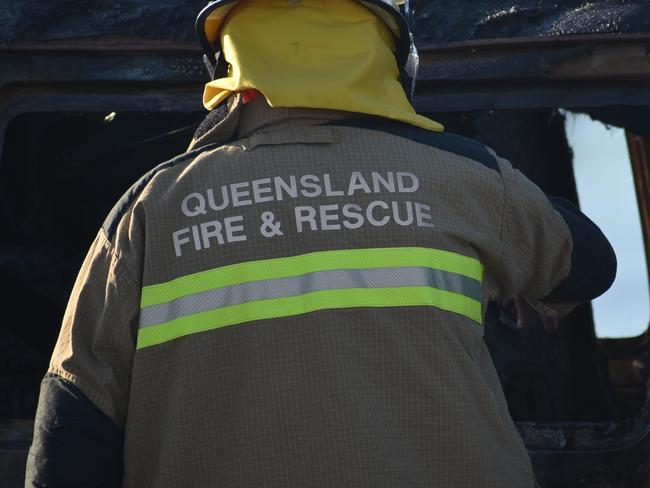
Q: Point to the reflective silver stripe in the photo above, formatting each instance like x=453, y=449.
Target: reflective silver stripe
x=311, y=282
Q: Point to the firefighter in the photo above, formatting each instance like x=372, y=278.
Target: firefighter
x=298, y=299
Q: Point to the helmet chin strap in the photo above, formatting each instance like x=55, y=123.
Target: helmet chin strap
x=218, y=68
x=210, y=67
x=411, y=69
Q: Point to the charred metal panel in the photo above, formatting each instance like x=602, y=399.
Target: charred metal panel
x=438, y=21
x=30, y=20
x=583, y=71
x=571, y=71
x=443, y=21
x=65, y=66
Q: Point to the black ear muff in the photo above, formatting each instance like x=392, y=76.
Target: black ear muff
x=220, y=67
x=407, y=84
x=214, y=62
x=212, y=68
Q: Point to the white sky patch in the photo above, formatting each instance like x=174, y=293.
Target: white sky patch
x=607, y=195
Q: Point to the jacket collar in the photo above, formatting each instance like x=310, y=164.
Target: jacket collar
x=257, y=116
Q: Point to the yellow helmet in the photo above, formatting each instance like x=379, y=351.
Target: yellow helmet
x=395, y=14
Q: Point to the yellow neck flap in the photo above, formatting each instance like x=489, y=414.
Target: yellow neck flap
x=333, y=54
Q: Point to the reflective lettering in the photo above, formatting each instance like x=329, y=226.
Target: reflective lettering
x=409, y=213
x=291, y=188
x=305, y=214
x=326, y=218
x=224, y=199
x=195, y=235
x=358, y=182
x=240, y=194
x=378, y=181
x=179, y=240
x=310, y=182
x=423, y=215
x=232, y=229
x=371, y=218
x=353, y=216
x=259, y=191
x=193, y=205
x=328, y=187
x=210, y=230
x=407, y=183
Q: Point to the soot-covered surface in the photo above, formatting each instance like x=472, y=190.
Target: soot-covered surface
x=436, y=21
x=462, y=20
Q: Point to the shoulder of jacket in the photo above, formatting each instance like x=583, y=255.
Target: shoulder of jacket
x=123, y=204
x=445, y=141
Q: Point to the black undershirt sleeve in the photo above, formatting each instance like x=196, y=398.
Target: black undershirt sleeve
x=593, y=262
x=75, y=444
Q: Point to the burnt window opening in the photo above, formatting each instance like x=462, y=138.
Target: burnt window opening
x=607, y=193
x=61, y=174
x=571, y=375
x=63, y=171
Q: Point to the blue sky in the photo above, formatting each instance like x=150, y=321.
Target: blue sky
x=606, y=193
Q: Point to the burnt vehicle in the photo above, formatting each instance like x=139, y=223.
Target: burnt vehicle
x=92, y=96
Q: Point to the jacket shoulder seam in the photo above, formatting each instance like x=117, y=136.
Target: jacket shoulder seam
x=445, y=141
x=115, y=216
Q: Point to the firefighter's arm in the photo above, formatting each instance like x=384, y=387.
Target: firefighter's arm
x=75, y=443
x=593, y=261
x=552, y=255
x=82, y=405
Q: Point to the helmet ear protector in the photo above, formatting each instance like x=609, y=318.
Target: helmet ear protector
x=395, y=14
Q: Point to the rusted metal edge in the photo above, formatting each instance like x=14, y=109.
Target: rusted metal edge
x=587, y=436
x=600, y=57
x=130, y=44
x=627, y=347
x=542, y=60
x=510, y=43
x=41, y=99
x=639, y=148
x=474, y=75
x=103, y=45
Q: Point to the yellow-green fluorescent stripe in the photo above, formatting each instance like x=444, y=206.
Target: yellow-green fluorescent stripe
x=309, y=263
x=310, y=302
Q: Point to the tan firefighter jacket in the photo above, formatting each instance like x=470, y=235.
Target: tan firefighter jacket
x=298, y=301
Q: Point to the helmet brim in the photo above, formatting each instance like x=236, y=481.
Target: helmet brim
x=391, y=16
x=209, y=23
x=211, y=18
